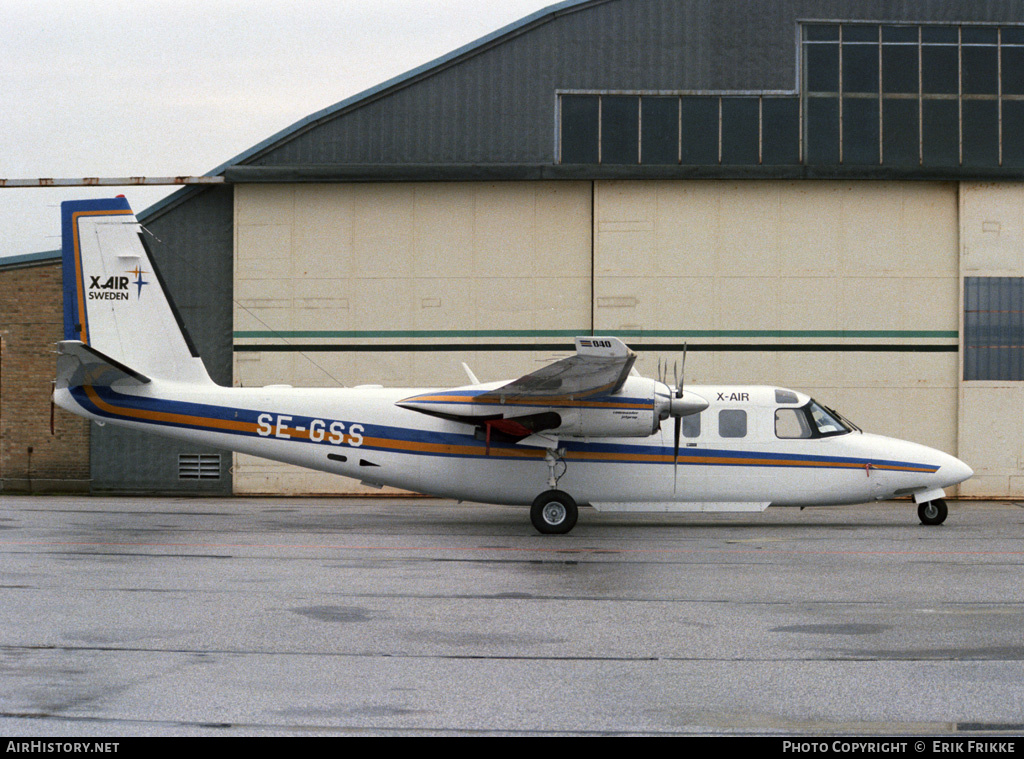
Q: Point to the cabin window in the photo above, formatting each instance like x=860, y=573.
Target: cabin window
x=792, y=423
x=691, y=425
x=732, y=423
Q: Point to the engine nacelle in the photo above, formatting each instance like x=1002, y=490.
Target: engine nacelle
x=632, y=412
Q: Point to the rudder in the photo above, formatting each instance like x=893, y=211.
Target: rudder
x=114, y=299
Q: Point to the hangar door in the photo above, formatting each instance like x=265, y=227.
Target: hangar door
x=846, y=290
x=397, y=284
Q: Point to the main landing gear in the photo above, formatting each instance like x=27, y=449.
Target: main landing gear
x=553, y=512
x=932, y=512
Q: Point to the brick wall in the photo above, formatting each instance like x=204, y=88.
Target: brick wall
x=31, y=321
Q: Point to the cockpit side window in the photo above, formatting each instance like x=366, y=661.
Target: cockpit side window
x=792, y=423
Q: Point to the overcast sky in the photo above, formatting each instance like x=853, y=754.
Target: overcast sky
x=178, y=87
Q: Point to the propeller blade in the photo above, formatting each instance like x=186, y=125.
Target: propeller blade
x=681, y=371
x=682, y=374
x=675, y=458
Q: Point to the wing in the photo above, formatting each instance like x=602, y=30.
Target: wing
x=600, y=367
x=516, y=410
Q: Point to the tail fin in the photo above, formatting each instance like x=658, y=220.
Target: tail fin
x=114, y=300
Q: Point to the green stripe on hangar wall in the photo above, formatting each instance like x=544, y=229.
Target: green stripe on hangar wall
x=622, y=333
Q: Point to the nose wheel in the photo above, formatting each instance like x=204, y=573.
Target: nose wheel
x=932, y=512
x=553, y=512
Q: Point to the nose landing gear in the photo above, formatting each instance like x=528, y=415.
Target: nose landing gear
x=932, y=512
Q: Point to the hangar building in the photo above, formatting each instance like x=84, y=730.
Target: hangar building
x=820, y=194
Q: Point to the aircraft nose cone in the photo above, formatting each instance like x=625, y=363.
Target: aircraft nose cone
x=955, y=471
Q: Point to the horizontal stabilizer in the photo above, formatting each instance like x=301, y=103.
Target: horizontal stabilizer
x=80, y=364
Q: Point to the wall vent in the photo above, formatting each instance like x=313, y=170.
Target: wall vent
x=198, y=466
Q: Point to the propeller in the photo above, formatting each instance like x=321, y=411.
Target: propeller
x=678, y=419
x=680, y=404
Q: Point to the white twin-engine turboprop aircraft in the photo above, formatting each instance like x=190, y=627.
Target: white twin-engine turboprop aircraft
x=583, y=430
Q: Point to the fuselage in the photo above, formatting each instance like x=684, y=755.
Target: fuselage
x=731, y=452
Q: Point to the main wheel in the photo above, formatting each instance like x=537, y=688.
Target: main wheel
x=933, y=512
x=553, y=512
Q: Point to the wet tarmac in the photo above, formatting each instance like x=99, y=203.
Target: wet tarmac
x=311, y=616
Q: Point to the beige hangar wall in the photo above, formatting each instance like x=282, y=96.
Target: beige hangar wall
x=709, y=263
x=991, y=412
x=820, y=263
x=350, y=265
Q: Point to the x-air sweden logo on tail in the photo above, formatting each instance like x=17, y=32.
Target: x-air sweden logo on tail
x=116, y=288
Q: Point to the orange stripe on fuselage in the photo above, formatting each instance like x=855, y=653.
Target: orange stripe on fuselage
x=163, y=416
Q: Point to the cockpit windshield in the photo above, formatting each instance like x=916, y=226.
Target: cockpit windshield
x=810, y=420
x=827, y=421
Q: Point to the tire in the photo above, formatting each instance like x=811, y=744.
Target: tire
x=932, y=512
x=553, y=513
